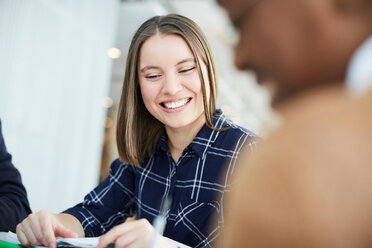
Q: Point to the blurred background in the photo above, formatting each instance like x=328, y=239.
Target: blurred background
x=61, y=70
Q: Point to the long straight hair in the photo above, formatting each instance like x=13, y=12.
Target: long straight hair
x=137, y=131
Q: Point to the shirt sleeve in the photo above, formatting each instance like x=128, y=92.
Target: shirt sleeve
x=14, y=206
x=110, y=203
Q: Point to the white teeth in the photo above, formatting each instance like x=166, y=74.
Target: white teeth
x=173, y=105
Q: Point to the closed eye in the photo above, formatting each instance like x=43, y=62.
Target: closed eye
x=152, y=76
x=187, y=69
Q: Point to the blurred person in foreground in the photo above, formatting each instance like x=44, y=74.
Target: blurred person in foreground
x=310, y=182
x=14, y=205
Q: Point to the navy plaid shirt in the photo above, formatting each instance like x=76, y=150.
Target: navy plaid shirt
x=196, y=185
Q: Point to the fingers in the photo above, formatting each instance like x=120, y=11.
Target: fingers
x=125, y=240
x=62, y=232
x=48, y=236
x=139, y=236
x=139, y=231
x=112, y=235
x=37, y=229
x=138, y=241
x=21, y=235
x=25, y=231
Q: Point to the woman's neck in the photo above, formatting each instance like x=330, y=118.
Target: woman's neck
x=180, y=138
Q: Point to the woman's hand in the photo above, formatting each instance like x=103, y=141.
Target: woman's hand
x=42, y=228
x=133, y=234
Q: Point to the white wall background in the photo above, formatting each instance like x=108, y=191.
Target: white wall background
x=54, y=73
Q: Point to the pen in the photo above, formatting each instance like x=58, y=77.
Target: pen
x=160, y=220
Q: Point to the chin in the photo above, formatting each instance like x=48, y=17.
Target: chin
x=176, y=125
x=279, y=98
x=275, y=103
x=285, y=96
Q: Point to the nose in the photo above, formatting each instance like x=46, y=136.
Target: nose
x=172, y=84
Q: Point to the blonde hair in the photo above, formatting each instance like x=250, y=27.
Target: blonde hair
x=137, y=131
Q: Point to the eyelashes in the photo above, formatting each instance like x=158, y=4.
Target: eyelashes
x=155, y=76
x=152, y=76
x=187, y=69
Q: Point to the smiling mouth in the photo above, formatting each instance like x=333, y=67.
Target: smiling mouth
x=177, y=104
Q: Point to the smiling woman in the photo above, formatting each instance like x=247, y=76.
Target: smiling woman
x=190, y=50
x=171, y=90
x=173, y=143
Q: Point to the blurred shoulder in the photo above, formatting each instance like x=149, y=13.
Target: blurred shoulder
x=305, y=173
x=323, y=127
x=325, y=119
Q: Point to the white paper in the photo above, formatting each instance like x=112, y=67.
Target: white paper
x=178, y=244
x=12, y=238
x=79, y=242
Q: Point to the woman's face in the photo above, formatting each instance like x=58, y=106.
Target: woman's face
x=169, y=81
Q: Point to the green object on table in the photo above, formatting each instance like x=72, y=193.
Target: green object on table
x=4, y=244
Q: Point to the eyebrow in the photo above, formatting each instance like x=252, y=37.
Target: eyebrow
x=148, y=67
x=186, y=60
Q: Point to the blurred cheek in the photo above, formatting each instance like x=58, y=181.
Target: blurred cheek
x=244, y=49
x=239, y=57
